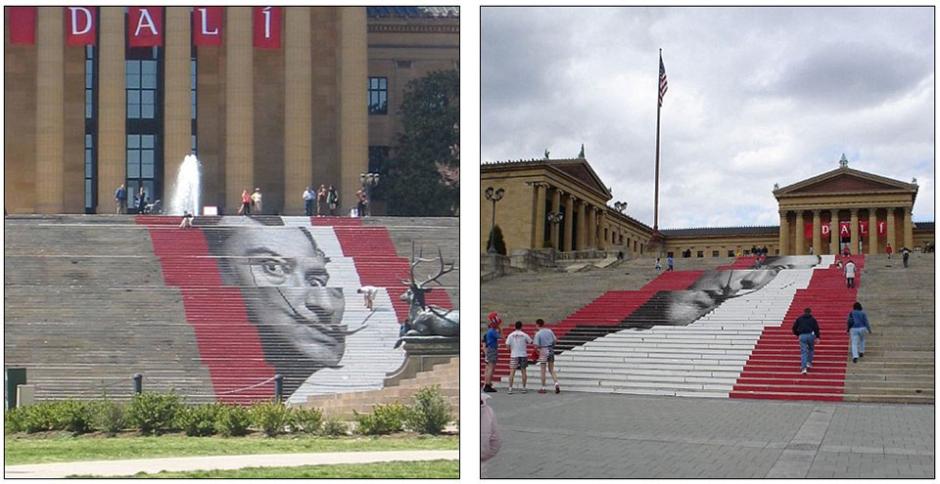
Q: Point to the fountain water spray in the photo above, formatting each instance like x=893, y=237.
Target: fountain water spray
x=187, y=188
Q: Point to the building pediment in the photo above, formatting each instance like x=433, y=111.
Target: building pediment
x=844, y=181
x=577, y=169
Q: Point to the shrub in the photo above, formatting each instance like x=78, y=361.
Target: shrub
x=333, y=427
x=497, y=234
x=74, y=416
x=109, y=416
x=233, y=420
x=41, y=417
x=307, y=420
x=430, y=412
x=199, y=420
x=384, y=419
x=154, y=412
x=270, y=417
x=14, y=420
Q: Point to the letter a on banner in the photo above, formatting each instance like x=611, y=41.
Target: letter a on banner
x=267, y=27
x=145, y=26
x=22, y=24
x=80, y=25
x=207, y=25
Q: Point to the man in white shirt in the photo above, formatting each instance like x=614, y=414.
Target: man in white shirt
x=308, y=202
x=545, y=341
x=850, y=274
x=517, y=341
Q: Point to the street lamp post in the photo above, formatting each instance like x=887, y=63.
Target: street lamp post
x=368, y=181
x=493, y=196
x=620, y=206
x=555, y=218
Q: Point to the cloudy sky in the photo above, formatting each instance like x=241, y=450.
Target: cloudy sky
x=756, y=96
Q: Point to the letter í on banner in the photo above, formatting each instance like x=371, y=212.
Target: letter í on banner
x=144, y=26
x=207, y=26
x=80, y=25
x=267, y=27
x=882, y=229
x=22, y=24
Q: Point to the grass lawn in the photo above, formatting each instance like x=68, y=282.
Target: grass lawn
x=62, y=447
x=448, y=469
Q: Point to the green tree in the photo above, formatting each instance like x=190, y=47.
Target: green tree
x=421, y=178
x=496, y=233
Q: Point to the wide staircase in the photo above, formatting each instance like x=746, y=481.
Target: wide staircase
x=88, y=304
x=898, y=365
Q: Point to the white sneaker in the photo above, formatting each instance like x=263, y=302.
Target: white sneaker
x=809, y=365
x=510, y=392
x=803, y=372
x=523, y=390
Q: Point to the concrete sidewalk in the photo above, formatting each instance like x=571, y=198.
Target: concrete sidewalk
x=150, y=466
x=633, y=436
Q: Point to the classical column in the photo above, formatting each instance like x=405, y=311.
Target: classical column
x=800, y=236
x=298, y=151
x=177, y=117
x=539, y=234
x=239, y=107
x=784, y=232
x=582, y=226
x=353, y=112
x=892, y=238
x=569, y=222
x=112, y=135
x=601, y=220
x=50, y=115
x=817, y=236
x=908, y=229
x=853, y=230
x=872, y=231
x=834, y=231
x=591, y=227
x=555, y=229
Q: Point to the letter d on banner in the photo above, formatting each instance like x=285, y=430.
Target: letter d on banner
x=267, y=27
x=80, y=25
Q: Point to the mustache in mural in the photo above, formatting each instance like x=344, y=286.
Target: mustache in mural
x=334, y=331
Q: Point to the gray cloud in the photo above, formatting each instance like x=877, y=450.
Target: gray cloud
x=757, y=96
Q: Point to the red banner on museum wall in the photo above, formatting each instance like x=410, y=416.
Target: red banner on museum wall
x=22, y=24
x=267, y=27
x=80, y=25
x=207, y=26
x=826, y=231
x=807, y=230
x=863, y=228
x=145, y=26
x=844, y=230
x=882, y=229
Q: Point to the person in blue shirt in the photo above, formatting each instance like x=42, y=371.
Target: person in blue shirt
x=807, y=329
x=858, y=325
x=491, y=347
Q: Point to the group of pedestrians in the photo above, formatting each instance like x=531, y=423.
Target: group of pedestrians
x=518, y=342
x=251, y=203
x=325, y=198
x=806, y=329
x=121, y=197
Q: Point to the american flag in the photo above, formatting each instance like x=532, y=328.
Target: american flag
x=663, y=85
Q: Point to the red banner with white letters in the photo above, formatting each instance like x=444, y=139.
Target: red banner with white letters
x=267, y=27
x=144, y=26
x=882, y=229
x=863, y=228
x=80, y=25
x=845, y=231
x=21, y=24
x=826, y=231
x=207, y=26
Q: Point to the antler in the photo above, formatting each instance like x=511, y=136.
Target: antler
x=411, y=269
x=443, y=270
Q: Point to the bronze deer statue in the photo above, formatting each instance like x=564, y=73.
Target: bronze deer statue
x=424, y=319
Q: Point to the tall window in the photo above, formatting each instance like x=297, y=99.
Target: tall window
x=91, y=130
x=378, y=95
x=144, y=151
x=192, y=95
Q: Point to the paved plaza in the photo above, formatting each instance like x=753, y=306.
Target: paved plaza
x=576, y=434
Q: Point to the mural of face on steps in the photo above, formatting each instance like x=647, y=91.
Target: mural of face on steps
x=286, y=287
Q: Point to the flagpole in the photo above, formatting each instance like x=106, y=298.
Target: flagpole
x=658, y=108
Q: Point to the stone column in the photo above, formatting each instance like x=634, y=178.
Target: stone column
x=784, y=232
x=298, y=151
x=112, y=133
x=569, y=222
x=817, y=236
x=239, y=107
x=50, y=113
x=582, y=230
x=853, y=230
x=908, y=228
x=353, y=110
x=539, y=235
x=892, y=237
x=800, y=236
x=872, y=231
x=601, y=220
x=834, y=231
x=555, y=229
x=177, y=117
x=591, y=227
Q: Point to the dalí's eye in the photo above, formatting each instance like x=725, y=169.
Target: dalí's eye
x=275, y=267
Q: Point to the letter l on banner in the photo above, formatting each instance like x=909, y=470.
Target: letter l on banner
x=207, y=26
x=267, y=27
x=80, y=25
x=144, y=26
x=22, y=24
